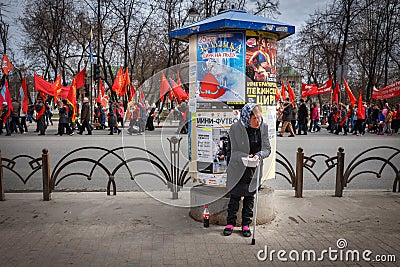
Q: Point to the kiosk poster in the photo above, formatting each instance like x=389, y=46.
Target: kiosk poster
x=221, y=66
x=212, y=130
x=261, y=50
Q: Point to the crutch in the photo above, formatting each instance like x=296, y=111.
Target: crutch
x=253, y=241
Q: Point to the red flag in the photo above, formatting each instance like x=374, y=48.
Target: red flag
x=56, y=88
x=277, y=95
x=119, y=82
x=101, y=92
x=23, y=91
x=171, y=95
x=308, y=89
x=64, y=91
x=101, y=87
x=41, y=85
x=5, y=93
x=180, y=84
x=98, y=98
x=6, y=65
x=360, y=107
x=132, y=92
x=352, y=99
x=335, y=96
x=6, y=97
x=72, y=98
x=292, y=95
x=80, y=78
x=283, y=93
x=164, y=87
x=178, y=91
x=127, y=81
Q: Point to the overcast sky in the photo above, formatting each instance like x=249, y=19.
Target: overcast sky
x=296, y=12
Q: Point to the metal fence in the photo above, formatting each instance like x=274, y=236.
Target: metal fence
x=175, y=177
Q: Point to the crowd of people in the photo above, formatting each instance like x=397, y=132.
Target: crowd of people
x=299, y=118
x=339, y=118
x=139, y=117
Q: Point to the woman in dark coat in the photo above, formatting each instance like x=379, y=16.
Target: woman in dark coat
x=248, y=137
x=150, y=119
x=112, y=119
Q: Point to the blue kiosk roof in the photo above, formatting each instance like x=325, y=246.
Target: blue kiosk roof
x=233, y=19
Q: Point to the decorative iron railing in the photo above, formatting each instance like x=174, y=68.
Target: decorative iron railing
x=175, y=177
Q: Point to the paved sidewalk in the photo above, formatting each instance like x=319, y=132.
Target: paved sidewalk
x=132, y=229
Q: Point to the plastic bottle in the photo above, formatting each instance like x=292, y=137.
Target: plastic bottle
x=206, y=216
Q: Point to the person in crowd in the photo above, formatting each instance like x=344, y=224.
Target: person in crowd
x=63, y=121
x=325, y=113
x=360, y=122
x=40, y=117
x=279, y=114
x=334, y=117
x=374, y=119
x=31, y=111
x=380, y=121
x=342, y=120
x=5, y=118
x=150, y=118
x=143, y=117
x=22, y=116
x=354, y=126
x=294, y=117
x=121, y=114
x=85, y=117
x=315, y=116
x=396, y=119
x=248, y=138
x=302, y=116
x=112, y=119
x=310, y=127
x=134, y=118
x=286, y=118
x=48, y=114
x=183, y=122
x=16, y=107
x=388, y=122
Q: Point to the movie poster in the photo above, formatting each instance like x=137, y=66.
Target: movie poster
x=261, y=51
x=221, y=66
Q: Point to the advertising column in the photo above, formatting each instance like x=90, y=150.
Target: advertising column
x=232, y=68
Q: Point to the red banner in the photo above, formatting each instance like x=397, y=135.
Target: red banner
x=389, y=91
x=311, y=89
x=325, y=88
x=308, y=89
